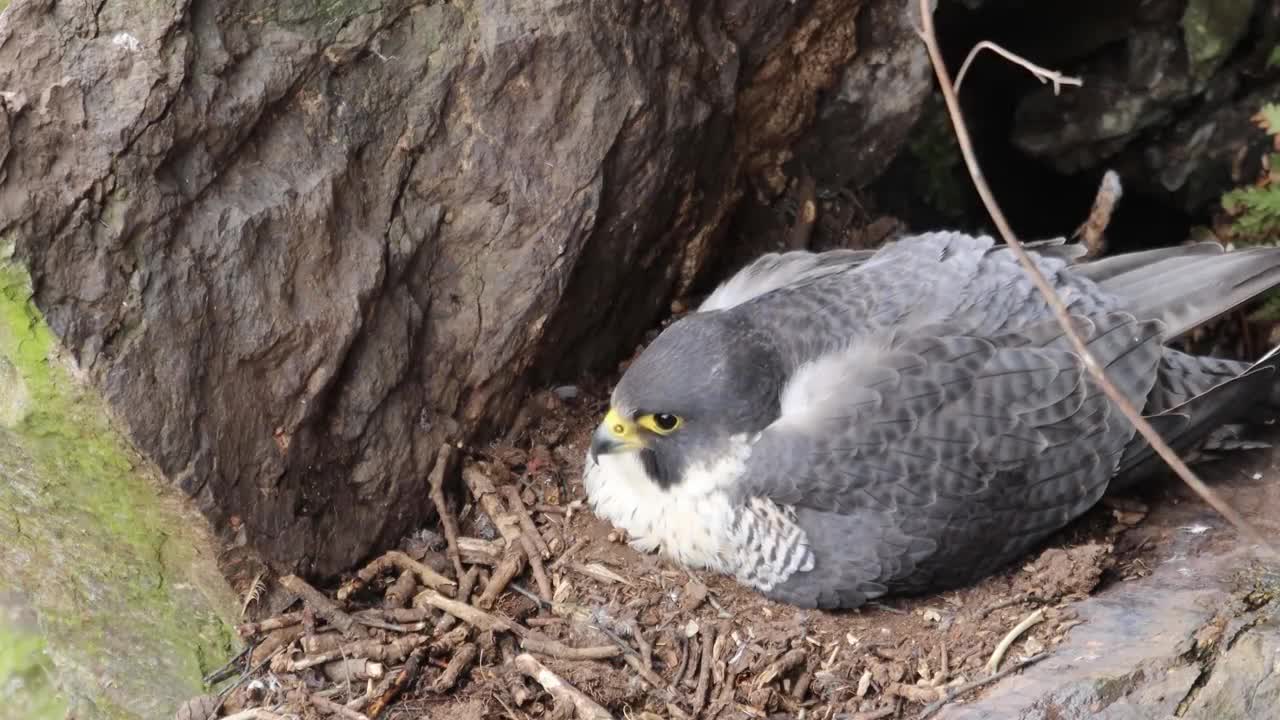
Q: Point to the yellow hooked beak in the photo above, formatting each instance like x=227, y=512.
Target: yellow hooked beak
x=616, y=434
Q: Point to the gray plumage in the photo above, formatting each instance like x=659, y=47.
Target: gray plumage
x=853, y=424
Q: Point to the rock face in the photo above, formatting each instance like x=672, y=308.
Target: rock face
x=111, y=602
x=300, y=245
x=1168, y=104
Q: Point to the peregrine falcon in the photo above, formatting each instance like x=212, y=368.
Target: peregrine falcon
x=830, y=428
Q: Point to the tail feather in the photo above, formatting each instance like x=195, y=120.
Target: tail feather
x=1194, y=425
x=1190, y=289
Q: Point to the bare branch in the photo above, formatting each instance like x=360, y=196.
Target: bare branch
x=1055, y=303
x=1044, y=75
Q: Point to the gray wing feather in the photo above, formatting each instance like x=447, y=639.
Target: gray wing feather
x=948, y=444
x=776, y=270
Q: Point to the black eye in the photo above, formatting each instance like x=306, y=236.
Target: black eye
x=666, y=422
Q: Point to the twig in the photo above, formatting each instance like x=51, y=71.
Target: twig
x=255, y=714
x=447, y=521
x=557, y=649
x=974, y=684
x=1092, y=232
x=466, y=586
x=994, y=663
x=392, y=627
x=357, y=668
x=449, y=641
x=391, y=652
x=704, y=670
x=396, y=560
x=586, y=708
x=323, y=606
x=646, y=649
x=226, y=692
x=400, y=592
x=781, y=666
x=280, y=621
x=915, y=693
x=332, y=708
x=474, y=617
x=1042, y=74
x=516, y=503
x=274, y=642
x=569, y=553
x=1059, y=309
x=535, y=565
x=878, y=714
x=475, y=551
x=458, y=664
x=396, y=615
x=647, y=674
x=512, y=565
x=487, y=496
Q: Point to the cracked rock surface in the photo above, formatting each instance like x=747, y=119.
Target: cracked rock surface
x=299, y=245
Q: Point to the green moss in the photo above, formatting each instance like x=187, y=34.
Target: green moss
x=26, y=675
x=122, y=575
x=1211, y=29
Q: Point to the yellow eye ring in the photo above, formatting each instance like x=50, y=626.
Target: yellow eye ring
x=661, y=423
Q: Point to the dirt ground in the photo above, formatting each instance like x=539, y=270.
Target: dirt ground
x=642, y=638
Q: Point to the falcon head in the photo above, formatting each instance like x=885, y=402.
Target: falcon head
x=702, y=381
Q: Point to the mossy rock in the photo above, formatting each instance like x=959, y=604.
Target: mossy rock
x=116, y=576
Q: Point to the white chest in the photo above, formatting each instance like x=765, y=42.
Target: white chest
x=690, y=522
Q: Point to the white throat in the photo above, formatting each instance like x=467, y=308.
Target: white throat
x=689, y=522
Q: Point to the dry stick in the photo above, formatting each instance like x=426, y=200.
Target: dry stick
x=704, y=670
x=516, y=503
x=325, y=704
x=275, y=623
x=323, y=606
x=488, y=498
x=478, y=619
x=1042, y=74
x=1055, y=303
x=402, y=680
x=557, y=649
x=400, y=592
x=974, y=684
x=276, y=640
x=255, y=714
x=391, y=652
x=646, y=649
x=450, y=640
x=478, y=551
x=535, y=564
x=512, y=565
x=447, y=521
x=397, y=560
x=466, y=586
x=994, y=663
x=226, y=692
x=396, y=615
x=562, y=691
x=788, y=662
x=564, y=556
x=1092, y=231
x=458, y=664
